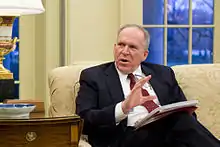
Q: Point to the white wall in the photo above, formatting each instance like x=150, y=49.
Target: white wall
x=91, y=32
x=92, y=29
x=39, y=51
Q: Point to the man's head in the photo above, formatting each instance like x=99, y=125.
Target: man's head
x=131, y=48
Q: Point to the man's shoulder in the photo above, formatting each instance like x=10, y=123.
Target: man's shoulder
x=160, y=71
x=99, y=67
x=154, y=66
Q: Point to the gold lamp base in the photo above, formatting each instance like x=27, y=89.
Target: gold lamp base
x=7, y=44
x=4, y=73
x=6, y=76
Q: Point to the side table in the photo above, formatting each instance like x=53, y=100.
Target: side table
x=41, y=132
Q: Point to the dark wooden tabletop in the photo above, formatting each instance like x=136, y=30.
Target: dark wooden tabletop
x=43, y=119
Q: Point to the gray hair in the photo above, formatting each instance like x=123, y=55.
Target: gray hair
x=146, y=33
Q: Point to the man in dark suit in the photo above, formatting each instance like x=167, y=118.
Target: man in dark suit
x=109, y=103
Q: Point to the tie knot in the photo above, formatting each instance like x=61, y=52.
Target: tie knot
x=131, y=76
x=132, y=80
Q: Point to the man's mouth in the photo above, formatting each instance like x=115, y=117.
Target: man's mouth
x=124, y=60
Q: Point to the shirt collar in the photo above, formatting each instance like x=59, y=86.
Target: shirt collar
x=138, y=71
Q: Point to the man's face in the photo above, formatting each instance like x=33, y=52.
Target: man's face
x=129, y=51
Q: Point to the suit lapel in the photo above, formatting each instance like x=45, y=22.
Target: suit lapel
x=114, y=84
x=115, y=88
x=157, y=85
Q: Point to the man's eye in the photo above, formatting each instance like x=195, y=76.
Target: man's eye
x=121, y=44
x=132, y=47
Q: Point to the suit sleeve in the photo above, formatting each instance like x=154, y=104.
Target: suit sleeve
x=176, y=90
x=87, y=105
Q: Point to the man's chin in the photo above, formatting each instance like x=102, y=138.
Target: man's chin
x=124, y=70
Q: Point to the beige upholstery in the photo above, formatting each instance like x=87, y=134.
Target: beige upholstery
x=202, y=82
x=192, y=78
x=63, y=85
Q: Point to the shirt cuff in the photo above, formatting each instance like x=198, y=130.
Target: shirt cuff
x=119, y=114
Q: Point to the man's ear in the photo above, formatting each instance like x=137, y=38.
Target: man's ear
x=114, y=48
x=146, y=54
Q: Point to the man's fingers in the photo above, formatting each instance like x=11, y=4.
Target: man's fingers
x=145, y=79
x=142, y=81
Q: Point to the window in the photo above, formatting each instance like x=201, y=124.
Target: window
x=11, y=61
x=181, y=31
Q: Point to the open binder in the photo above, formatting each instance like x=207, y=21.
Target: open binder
x=162, y=111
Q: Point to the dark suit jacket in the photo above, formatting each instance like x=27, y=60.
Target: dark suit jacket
x=100, y=91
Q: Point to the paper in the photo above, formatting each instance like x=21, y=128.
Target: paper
x=165, y=110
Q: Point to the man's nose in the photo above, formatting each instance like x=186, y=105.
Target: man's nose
x=126, y=49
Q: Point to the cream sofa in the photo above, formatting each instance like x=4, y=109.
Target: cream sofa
x=200, y=82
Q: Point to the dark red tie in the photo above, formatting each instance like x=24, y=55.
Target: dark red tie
x=149, y=105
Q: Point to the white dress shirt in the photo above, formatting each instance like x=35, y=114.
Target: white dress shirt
x=135, y=113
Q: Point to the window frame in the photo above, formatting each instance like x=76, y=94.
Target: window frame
x=190, y=26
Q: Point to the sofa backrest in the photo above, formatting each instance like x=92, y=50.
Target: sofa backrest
x=63, y=86
x=202, y=82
